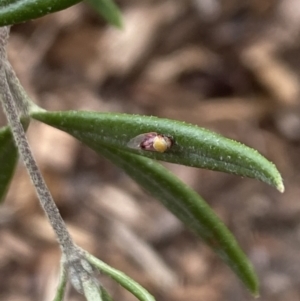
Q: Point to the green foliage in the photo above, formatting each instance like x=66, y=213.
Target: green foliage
x=108, y=10
x=61, y=288
x=17, y=11
x=105, y=295
x=121, y=278
x=185, y=204
x=8, y=159
x=111, y=135
x=193, y=146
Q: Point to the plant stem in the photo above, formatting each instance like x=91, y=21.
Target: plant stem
x=7, y=97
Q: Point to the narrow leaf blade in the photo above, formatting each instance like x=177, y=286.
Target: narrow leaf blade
x=8, y=159
x=105, y=294
x=17, y=11
x=125, y=281
x=188, y=206
x=193, y=146
x=154, y=178
x=62, y=283
x=108, y=10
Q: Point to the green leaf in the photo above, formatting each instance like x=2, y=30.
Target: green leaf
x=8, y=159
x=188, y=206
x=125, y=281
x=61, y=288
x=109, y=134
x=105, y=295
x=108, y=10
x=16, y=11
x=193, y=146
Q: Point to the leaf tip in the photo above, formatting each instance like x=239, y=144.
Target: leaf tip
x=254, y=290
x=277, y=181
x=109, y=11
x=279, y=184
x=256, y=295
x=280, y=187
x=119, y=22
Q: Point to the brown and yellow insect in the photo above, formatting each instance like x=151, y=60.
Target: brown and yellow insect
x=152, y=142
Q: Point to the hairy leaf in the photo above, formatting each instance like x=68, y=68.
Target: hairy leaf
x=192, y=145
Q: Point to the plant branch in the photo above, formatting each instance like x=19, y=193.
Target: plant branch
x=8, y=102
x=14, y=97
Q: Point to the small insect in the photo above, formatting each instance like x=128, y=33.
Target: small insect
x=152, y=142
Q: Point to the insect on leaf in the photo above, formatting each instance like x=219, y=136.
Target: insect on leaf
x=191, y=145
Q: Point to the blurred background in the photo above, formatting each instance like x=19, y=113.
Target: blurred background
x=230, y=66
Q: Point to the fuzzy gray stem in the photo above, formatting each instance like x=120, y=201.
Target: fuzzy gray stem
x=10, y=109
